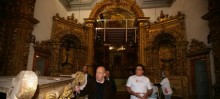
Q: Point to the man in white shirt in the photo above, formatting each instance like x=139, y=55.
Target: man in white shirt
x=87, y=77
x=138, y=85
x=165, y=85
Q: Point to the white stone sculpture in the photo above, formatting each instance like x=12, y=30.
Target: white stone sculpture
x=24, y=86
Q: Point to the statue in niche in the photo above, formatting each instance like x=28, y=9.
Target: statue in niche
x=67, y=60
x=67, y=55
x=166, y=56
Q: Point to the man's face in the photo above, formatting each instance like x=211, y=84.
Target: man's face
x=85, y=69
x=139, y=71
x=100, y=73
x=107, y=74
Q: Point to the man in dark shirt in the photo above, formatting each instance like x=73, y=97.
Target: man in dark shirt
x=109, y=78
x=87, y=77
x=97, y=88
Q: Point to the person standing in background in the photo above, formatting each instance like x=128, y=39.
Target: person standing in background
x=87, y=77
x=165, y=85
x=111, y=80
x=138, y=85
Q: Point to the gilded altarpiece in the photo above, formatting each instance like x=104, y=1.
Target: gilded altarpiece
x=68, y=45
x=166, y=48
x=17, y=23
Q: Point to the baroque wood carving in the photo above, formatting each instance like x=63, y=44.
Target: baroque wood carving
x=17, y=24
x=68, y=42
x=116, y=9
x=199, y=52
x=107, y=5
x=165, y=50
x=214, y=39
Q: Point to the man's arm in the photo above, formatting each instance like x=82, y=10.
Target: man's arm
x=85, y=90
x=158, y=85
x=133, y=93
x=149, y=92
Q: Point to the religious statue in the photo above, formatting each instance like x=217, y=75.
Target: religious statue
x=166, y=56
x=67, y=55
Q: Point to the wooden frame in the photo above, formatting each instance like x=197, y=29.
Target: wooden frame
x=198, y=51
x=42, y=58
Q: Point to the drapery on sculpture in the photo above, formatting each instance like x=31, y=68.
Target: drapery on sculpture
x=24, y=86
x=79, y=80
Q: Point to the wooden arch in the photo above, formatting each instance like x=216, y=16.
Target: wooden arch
x=130, y=5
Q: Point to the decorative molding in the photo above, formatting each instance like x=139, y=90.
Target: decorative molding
x=43, y=46
x=197, y=47
x=128, y=5
x=72, y=5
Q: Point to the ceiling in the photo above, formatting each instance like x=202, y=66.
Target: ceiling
x=72, y=5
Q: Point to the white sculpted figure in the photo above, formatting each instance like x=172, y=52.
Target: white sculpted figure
x=24, y=86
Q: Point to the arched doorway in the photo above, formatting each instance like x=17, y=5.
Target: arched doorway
x=116, y=33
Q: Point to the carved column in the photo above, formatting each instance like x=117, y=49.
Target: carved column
x=20, y=21
x=213, y=17
x=181, y=48
x=55, y=62
x=142, y=39
x=90, y=42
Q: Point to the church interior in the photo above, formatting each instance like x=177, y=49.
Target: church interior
x=59, y=37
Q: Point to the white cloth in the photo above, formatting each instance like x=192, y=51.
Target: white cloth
x=155, y=89
x=138, y=84
x=154, y=93
x=165, y=85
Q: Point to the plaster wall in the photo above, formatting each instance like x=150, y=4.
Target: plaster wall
x=44, y=11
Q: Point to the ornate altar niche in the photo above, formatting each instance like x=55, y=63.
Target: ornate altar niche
x=199, y=70
x=42, y=54
x=68, y=45
x=166, y=47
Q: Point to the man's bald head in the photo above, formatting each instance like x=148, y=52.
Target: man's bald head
x=100, y=73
